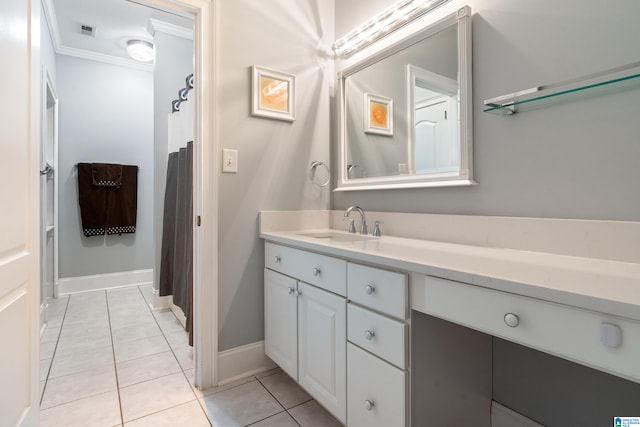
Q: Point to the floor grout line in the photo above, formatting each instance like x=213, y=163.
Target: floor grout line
x=46, y=381
x=197, y=398
x=113, y=353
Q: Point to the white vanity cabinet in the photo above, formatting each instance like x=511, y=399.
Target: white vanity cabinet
x=377, y=349
x=305, y=321
x=605, y=342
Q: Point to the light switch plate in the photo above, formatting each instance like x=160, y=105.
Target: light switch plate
x=229, y=160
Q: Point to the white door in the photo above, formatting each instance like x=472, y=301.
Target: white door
x=435, y=142
x=19, y=212
x=322, y=353
x=280, y=321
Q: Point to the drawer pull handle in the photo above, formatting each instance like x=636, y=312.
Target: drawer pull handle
x=368, y=334
x=291, y=290
x=278, y=259
x=316, y=271
x=610, y=335
x=369, y=289
x=512, y=320
x=368, y=404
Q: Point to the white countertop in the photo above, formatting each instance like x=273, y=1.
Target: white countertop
x=610, y=287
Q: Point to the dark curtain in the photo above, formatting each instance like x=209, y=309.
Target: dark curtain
x=176, y=262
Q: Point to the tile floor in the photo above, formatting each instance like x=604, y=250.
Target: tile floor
x=108, y=360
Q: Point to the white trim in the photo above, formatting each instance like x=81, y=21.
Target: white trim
x=164, y=303
x=71, y=285
x=206, y=149
x=54, y=32
x=177, y=311
x=158, y=302
x=501, y=416
x=241, y=362
x=157, y=26
x=43, y=318
x=101, y=57
x=52, y=23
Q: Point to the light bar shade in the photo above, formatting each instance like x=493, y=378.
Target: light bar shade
x=140, y=50
x=395, y=16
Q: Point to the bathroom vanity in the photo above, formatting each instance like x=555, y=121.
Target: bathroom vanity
x=396, y=331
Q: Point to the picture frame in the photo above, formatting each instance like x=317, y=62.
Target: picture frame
x=273, y=94
x=378, y=114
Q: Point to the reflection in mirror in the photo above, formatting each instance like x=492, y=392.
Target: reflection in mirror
x=433, y=117
x=427, y=139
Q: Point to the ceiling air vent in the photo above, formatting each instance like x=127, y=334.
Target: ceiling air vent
x=87, y=30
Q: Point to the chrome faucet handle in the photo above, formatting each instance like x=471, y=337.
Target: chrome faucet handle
x=352, y=226
x=376, y=229
x=363, y=227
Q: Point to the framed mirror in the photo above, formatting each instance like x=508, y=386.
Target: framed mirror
x=405, y=113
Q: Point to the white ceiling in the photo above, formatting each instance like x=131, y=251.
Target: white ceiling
x=114, y=21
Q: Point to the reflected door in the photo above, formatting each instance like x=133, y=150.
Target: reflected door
x=434, y=150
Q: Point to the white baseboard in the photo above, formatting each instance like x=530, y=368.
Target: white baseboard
x=177, y=311
x=43, y=318
x=243, y=361
x=501, y=416
x=158, y=302
x=72, y=285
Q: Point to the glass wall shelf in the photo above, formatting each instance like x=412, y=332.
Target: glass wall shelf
x=620, y=79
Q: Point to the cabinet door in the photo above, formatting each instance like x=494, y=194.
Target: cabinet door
x=280, y=321
x=377, y=391
x=322, y=318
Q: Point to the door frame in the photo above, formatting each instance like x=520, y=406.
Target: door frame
x=48, y=90
x=205, y=309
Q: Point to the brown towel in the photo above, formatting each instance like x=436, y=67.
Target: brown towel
x=108, y=197
x=106, y=174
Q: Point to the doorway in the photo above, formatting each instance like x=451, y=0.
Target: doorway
x=48, y=195
x=205, y=183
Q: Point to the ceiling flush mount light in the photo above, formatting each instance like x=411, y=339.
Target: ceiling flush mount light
x=395, y=16
x=140, y=50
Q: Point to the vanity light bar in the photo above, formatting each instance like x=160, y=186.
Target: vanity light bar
x=396, y=16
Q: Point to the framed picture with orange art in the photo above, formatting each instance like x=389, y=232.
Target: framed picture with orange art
x=273, y=94
x=378, y=114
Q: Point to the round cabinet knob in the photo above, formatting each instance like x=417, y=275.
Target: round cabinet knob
x=511, y=320
x=316, y=271
x=278, y=259
x=368, y=404
x=291, y=290
x=368, y=334
x=297, y=293
x=369, y=289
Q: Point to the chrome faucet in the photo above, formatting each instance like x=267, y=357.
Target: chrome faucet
x=363, y=221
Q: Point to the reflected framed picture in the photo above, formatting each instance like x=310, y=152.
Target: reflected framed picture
x=378, y=114
x=273, y=94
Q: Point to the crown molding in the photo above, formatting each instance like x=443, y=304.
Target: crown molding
x=54, y=31
x=109, y=59
x=52, y=23
x=156, y=26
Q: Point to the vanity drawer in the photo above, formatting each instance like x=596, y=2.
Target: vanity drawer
x=564, y=331
x=376, y=391
x=382, y=336
x=381, y=290
x=319, y=270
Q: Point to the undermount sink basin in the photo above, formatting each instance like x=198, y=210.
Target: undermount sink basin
x=337, y=236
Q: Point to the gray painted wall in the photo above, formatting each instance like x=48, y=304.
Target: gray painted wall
x=274, y=156
x=575, y=160
x=106, y=115
x=174, y=61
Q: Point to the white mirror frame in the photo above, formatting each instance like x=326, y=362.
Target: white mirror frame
x=464, y=176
